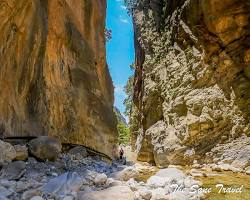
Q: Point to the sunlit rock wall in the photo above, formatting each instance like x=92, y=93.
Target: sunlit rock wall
x=192, y=79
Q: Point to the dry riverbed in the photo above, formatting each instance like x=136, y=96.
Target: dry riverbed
x=78, y=174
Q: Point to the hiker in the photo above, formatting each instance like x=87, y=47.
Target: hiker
x=121, y=153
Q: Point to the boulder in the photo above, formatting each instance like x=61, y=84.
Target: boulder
x=7, y=152
x=45, y=148
x=100, y=179
x=21, y=152
x=133, y=185
x=145, y=193
x=171, y=173
x=37, y=198
x=159, y=194
x=165, y=176
x=243, y=159
x=117, y=193
x=3, y=197
x=4, y=192
x=14, y=170
x=157, y=181
x=79, y=150
x=127, y=173
x=68, y=198
x=178, y=195
x=62, y=185
x=30, y=194
x=112, y=182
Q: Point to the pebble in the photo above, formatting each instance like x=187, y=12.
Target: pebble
x=68, y=198
x=37, y=198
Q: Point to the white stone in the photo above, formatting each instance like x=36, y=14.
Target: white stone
x=54, y=174
x=145, y=193
x=68, y=198
x=189, y=182
x=37, y=198
x=178, y=195
x=127, y=173
x=159, y=194
x=171, y=173
x=132, y=184
x=156, y=181
x=63, y=184
x=111, y=182
x=116, y=193
x=100, y=179
x=137, y=196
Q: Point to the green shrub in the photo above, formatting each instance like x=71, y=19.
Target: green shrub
x=124, y=134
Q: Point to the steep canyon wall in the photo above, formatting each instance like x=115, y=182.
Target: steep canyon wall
x=192, y=78
x=53, y=74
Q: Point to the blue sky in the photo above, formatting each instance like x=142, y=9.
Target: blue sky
x=120, y=49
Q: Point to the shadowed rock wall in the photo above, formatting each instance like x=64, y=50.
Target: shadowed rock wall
x=53, y=74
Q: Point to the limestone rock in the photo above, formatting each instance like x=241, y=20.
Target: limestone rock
x=7, y=152
x=243, y=159
x=248, y=172
x=145, y=193
x=127, y=173
x=234, y=154
x=100, y=179
x=112, y=182
x=79, y=150
x=4, y=192
x=55, y=80
x=14, y=170
x=159, y=194
x=63, y=184
x=68, y=198
x=117, y=192
x=30, y=194
x=192, y=87
x=156, y=181
x=179, y=195
x=21, y=152
x=45, y=148
x=37, y=198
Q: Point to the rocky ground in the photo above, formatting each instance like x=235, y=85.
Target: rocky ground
x=42, y=169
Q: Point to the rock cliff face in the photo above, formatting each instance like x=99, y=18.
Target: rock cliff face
x=192, y=79
x=53, y=74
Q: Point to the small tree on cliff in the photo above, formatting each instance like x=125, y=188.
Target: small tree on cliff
x=130, y=4
x=108, y=34
x=129, y=90
x=122, y=128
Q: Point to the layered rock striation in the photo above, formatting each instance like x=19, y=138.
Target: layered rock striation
x=53, y=73
x=192, y=88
